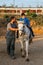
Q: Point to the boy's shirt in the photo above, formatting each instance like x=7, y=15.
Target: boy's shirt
x=26, y=21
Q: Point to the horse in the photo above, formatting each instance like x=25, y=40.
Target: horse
x=24, y=34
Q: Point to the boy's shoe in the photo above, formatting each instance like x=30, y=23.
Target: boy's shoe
x=30, y=41
x=33, y=35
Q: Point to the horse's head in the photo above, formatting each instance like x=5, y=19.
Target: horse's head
x=20, y=26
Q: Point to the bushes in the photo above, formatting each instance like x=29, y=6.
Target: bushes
x=2, y=23
x=2, y=31
x=32, y=14
x=37, y=18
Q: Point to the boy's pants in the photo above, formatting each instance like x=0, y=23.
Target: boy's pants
x=31, y=31
x=10, y=46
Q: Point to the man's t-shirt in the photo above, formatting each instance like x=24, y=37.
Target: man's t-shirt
x=10, y=34
x=8, y=26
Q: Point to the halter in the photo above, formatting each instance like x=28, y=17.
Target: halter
x=21, y=26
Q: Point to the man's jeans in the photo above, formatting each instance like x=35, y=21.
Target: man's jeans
x=10, y=46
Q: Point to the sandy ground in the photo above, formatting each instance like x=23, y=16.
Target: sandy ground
x=35, y=54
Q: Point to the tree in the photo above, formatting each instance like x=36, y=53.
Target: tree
x=28, y=12
x=32, y=14
x=12, y=5
x=4, y=5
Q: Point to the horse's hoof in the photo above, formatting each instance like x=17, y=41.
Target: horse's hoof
x=23, y=56
x=27, y=59
x=28, y=53
x=21, y=50
x=30, y=41
x=23, y=53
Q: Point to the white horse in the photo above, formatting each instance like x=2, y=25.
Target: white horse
x=24, y=34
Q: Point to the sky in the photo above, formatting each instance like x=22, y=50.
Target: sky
x=22, y=3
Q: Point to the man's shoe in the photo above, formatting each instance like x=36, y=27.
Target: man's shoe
x=8, y=53
x=13, y=57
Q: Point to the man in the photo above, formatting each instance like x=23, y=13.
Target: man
x=10, y=37
x=27, y=22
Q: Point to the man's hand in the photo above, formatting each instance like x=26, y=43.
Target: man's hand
x=13, y=29
x=16, y=29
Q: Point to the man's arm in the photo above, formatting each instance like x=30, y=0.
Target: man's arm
x=10, y=28
x=13, y=29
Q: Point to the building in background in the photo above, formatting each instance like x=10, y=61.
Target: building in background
x=19, y=10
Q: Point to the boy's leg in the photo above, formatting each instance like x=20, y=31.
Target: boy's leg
x=31, y=31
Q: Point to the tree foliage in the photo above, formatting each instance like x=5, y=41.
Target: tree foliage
x=37, y=18
x=32, y=14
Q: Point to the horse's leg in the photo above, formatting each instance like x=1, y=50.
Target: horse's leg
x=27, y=46
x=22, y=47
x=21, y=42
